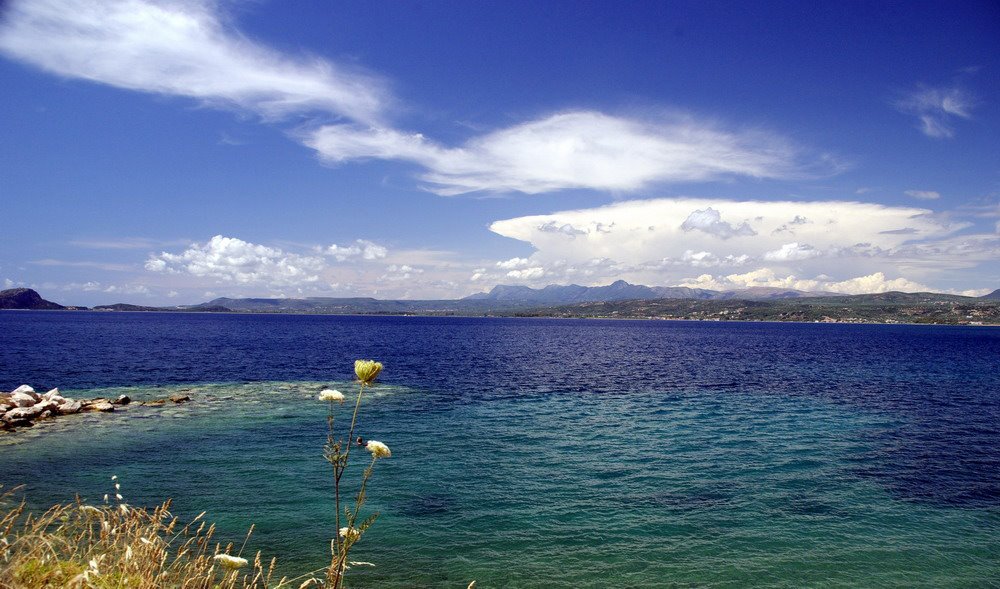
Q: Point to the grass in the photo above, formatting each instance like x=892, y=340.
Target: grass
x=116, y=546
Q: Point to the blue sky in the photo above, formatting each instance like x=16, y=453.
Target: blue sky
x=167, y=152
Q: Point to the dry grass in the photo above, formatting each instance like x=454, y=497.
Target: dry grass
x=116, y=546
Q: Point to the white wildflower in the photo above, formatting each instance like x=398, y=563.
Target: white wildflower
x=124, y=508
x=118, y=496
x=118, y=487
x=378, y=449
x=331, y=395
x=114, y=477
x=230, y=562
x=128, y=553
x=367, y=370
x=361, y=563
x=89, y=509
x=350, y=533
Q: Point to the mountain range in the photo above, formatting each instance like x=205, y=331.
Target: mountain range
x=512, y=300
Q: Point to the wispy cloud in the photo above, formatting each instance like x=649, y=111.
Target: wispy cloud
x=937, y=108
x=125, y=243
x=188, y=48
x=83, y=264
x=183, y=48
x=923, y=194
x=577, y=149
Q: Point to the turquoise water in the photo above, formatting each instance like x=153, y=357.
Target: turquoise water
x=537, y=454
x=679, y=489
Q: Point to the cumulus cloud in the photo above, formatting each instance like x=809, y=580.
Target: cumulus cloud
x=182, y=48
x=923, y=194
x=766, y=277
x=937, y=109
x=360, y=249
x=576, y=149
x=791, y=252
x=659, y=241
x=233, y=260
x=710, y=221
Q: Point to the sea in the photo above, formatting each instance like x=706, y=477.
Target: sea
x=540, y=453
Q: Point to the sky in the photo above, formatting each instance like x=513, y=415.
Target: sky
x=167, y=152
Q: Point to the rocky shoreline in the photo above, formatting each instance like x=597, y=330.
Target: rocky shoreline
x=22, y=407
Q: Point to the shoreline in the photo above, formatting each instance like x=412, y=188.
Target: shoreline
x=466, y=316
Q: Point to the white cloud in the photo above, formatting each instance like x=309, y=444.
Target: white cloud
x=710, y=221
x=937, y=108
x=233, y=260
x=576, y=149
x=791, y=252
x=923, y=194
x=513, y=263
x=360, y=249
x=765, y=277
x=181, y=48
x=659, y=241
x=188, y=48
x=533, y=273
x=8, y=283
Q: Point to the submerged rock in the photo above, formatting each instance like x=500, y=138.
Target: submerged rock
x=178, y=398
x=122, y=400
x=102, y=406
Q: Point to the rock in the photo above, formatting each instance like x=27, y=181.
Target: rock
x=180, y=398
x=122, y=400
x=21, y=399
x=53, y=393
x=57, y=399
x=155, y=403
x=15, y=423
x=4, y=408
x=103, y=407
x=45, y=415
x=47, y=406
x=26, y=390
x=69, y=407
x=22, y=413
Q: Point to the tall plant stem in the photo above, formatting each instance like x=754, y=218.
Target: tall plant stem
x=341, y=555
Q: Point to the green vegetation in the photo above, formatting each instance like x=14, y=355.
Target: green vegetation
x=877, y=308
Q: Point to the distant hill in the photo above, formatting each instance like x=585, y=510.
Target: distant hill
x=993, y=296
x=128, y=307
x=25, y=298
x=623, y=291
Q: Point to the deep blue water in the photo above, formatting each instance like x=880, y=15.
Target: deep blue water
x=547, y=453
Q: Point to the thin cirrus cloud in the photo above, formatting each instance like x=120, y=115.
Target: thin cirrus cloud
x=923, y=194
x=182, y=48
x=187, y=48
x=937, y=109
x=575, y=149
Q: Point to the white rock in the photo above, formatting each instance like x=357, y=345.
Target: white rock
x=69, y=407
x=57, y=399
x=25, y=389
x=23, y=413
x=22, y=400
x=53, y=393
